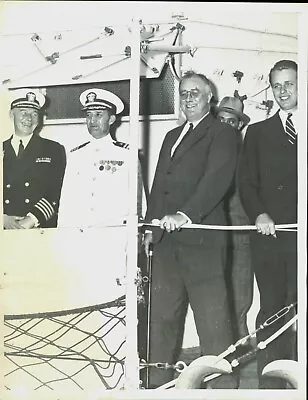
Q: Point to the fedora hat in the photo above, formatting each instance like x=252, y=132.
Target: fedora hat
x=234, y=106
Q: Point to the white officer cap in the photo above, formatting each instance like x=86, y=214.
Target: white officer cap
x=29, y=98
x=100, y=99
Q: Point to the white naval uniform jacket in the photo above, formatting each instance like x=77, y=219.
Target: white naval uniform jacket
x=95, y=188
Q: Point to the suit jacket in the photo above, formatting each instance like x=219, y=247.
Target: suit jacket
x=33, y=182
x=268, y=172
x=195, y=180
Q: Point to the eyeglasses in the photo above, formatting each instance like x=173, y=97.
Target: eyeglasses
x=194, y=94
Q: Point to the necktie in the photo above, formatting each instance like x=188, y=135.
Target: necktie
x=191, y=127
x=290, y=130
x=20, y=149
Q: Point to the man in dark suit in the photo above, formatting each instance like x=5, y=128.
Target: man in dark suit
x=268, y=186
x=33, y=167
x=239, y=270
x=194, y=171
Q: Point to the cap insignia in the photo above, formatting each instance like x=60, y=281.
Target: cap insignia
x=30, y=96
x=91, y=97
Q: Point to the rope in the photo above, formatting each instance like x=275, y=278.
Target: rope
x=261, y=345
x=279, y=227
x=115, y=303
x=69, y=344
x=155, y=223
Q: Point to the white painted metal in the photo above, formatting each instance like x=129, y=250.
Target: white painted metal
x=132, y=360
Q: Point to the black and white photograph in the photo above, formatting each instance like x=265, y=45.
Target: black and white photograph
x=154, y=193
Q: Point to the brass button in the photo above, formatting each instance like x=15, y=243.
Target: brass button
x=27, y=183
x=27, y=200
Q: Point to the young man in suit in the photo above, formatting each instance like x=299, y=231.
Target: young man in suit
x=268, y=186
x=194, y=171
x=33, y=167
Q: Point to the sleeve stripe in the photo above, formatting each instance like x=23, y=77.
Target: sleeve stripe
x=42, y=211
x=46, y=208
x=48, y=205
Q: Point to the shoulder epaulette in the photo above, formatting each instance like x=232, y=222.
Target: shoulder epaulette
x=121, y=144
x=79, y=147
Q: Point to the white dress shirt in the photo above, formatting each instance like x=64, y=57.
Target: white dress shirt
x=184, y=131
x=284, y=115
x=15, y=141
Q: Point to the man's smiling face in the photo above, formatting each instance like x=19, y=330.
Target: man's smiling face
x=284, y=86
x=195, y=96
x=25, y=120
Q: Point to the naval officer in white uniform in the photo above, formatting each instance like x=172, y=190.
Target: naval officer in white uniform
x=95, y=188
x=94, y=203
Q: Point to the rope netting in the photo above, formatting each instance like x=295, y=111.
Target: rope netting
x=81, y=348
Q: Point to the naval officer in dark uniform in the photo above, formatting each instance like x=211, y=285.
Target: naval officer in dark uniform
x=33, y=167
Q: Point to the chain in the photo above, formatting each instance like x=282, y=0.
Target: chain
x=272, y=319
x=179, y=366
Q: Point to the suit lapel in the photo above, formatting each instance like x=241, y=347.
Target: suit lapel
x=278, y=135
x=9, y=160
x=197, y=134
x=30, y=151
x=8, y=150
x=278, y=141
x=16, y=168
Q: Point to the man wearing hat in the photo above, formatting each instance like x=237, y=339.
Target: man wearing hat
x=239, y=271
x=94, y=204
x=95, y=188
x=33, y=167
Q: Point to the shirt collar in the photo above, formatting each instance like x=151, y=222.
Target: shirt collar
x=16, y=140
x=284, y=114
x=195, y=123
x=103, y=140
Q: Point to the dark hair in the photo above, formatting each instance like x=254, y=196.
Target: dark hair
x=193, y=74
x=281, y=65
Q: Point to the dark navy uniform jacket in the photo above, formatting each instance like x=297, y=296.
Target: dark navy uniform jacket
x=33, y=183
